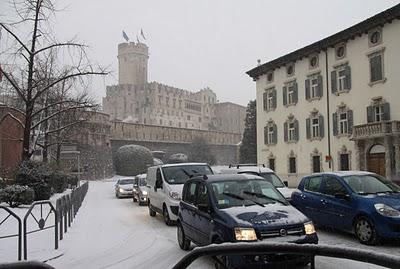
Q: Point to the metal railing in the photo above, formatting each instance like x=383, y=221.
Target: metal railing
x=64, y=212
x=19, y=234
x=68, y=205
x=41, y=223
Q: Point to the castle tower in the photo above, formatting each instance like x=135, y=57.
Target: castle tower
x=132, y=59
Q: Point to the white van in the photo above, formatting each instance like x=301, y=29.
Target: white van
x=264, y=172
x=165, y=184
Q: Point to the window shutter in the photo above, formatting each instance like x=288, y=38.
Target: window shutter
x=275, y=136
x=266, y=135
x=265, y=99
x=335, y=124
x=284, y=91
x=320, y=86
x=376, y=68
x=296, y=130
x=347, y=81
x=307, y=82
x=274, y=98
x=321, y=126
x=386, y=111
x=350, y=120
x=308, y=126
x=285, y=132
x=295, y=93
x=334, y=82
x=370, y=114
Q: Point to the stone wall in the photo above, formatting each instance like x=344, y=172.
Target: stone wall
x=224, y=154
x=152, y=133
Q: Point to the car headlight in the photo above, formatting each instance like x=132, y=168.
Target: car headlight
x=144, y=192
x=387, y=211
x=309, y=228
x=245, y=234
x=121, y=190
x=175, y=195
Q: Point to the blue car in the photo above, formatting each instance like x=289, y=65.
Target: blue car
x=240, y=208
x=363, y=203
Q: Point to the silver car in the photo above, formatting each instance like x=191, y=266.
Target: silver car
x=140, y=189
x=124, y=187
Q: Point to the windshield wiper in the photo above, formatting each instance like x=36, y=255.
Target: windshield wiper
x=242, y=198
x=387, y=192
x=260, y=195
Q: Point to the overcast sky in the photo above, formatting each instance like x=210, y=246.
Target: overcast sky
x=198, y=43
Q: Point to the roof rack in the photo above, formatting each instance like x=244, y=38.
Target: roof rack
x=245, y=164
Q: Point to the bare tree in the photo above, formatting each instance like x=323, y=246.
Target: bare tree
x=37, y=53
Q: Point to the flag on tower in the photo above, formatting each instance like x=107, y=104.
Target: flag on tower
x=125, y=36
x=142, y=34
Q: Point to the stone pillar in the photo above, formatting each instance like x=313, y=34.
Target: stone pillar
x=360, y=156
x=397, y=158
x=387, y=142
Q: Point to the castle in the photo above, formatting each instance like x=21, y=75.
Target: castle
x=135, y=100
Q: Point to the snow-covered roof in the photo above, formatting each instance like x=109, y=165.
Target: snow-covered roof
x=181, y=164
x=344, y=173
x=223, y=177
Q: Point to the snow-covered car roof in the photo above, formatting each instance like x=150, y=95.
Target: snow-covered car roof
x=180, y=164
x=251, y=168
x=345, y=173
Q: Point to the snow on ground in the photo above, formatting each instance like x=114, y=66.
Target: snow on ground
x=116, y=233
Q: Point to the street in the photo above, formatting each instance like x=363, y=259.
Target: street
x=116, y=233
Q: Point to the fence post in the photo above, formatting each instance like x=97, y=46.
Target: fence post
x=59, y=209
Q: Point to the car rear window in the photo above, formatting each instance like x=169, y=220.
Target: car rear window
x=313, y=184
x=125, y=181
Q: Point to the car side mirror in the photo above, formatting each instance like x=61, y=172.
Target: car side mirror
x=342, y=196
x=204, y=208
x=286, y=183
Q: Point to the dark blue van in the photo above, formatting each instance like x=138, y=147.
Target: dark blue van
x=240, y=208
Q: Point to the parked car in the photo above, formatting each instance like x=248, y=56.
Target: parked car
x=140, y=189
x=124, y=187
x=164, y=187
x=264, y=172
x=240, y=208
x=353, y=201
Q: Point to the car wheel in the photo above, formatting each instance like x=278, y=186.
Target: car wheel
x=183, y=242
x=167, y=220
x=365, y=231
x=221, y=262
x=152, y=213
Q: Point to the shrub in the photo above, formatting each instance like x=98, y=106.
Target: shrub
x=42, y=190
x=178, y=158
x=30, y=172
x=58, y=182
x=15, y=195
x=36, y=175
x=131, y=160
x=72, y=181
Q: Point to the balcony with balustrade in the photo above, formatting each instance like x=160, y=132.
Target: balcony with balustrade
x=376, y=130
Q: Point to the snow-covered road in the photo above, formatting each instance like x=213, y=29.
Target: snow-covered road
x=115, y=233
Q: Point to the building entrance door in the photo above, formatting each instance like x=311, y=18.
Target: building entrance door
x=376, y=160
